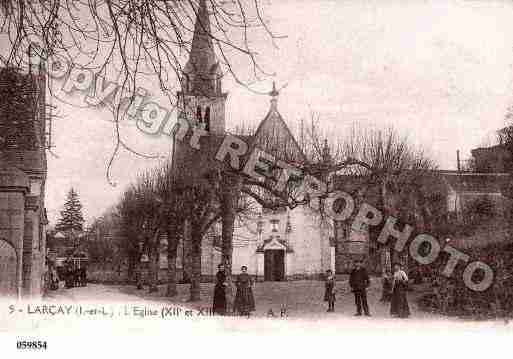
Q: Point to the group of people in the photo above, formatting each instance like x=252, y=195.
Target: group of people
x=395, y=287
x=244, y=302
x=394, y=290
x=74, y=276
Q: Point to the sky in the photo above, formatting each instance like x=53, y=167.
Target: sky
x=438, y=71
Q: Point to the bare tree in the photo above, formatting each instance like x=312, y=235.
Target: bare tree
x=141, y=213
x=396, y=172
x=383, y=162
x=130, y=228
x=172, y=221
x=130, y=40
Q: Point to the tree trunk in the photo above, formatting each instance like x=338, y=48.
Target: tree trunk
x=196, y=265
x=228, y=220
x=229, y=202
x=186, y=252
x=172, y=246
x=154, y=265
x=388, y=205
x=131, y=267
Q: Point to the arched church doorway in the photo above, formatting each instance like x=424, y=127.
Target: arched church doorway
x=274, y=265
x=8, y=270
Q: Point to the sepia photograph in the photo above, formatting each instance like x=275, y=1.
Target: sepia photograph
x=255, y=178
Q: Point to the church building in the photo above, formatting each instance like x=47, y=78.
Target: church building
x=275, y=245
x=286, y=244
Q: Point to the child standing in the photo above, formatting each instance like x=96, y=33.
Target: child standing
x=386, y=296
x=329, y=293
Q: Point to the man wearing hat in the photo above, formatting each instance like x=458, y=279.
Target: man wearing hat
x=359, y=281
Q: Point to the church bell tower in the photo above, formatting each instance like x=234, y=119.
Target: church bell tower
x=201, y=100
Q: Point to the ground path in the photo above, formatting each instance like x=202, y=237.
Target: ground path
x=301, y=299
x=307, y=326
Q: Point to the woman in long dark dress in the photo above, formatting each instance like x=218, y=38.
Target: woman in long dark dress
x=399, y=304
x=219, y=305
x=244, y=300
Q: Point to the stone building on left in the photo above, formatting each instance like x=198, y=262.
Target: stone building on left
x=23, y=172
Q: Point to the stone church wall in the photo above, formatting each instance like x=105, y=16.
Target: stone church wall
x=22, y=170
x=12, y=231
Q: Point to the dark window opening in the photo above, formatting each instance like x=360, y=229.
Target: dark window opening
x=187, y=83
x=207, y=119
x=198, y=114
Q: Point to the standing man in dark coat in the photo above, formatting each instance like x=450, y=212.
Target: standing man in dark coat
x=359, y=281
x=329, y=292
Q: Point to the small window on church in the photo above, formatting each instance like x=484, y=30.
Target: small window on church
x=207, y=119
x=187, y=83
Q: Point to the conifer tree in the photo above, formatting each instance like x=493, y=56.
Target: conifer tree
x=71, y=216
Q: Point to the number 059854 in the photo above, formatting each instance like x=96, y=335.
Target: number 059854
x=31, y=344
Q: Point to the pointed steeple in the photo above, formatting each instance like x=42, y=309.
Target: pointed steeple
x=274, y=136
x=202, y=70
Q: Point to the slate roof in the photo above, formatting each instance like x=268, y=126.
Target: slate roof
x=274, y=137
x=22, y=121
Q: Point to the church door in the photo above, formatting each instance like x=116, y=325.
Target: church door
x=274, y=265
x=8, y=266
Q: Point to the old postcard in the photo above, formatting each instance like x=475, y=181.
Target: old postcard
x=256, y=178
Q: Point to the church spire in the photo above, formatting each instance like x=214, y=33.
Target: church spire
x=202, y=73
x=202, y=49
x=274, y=97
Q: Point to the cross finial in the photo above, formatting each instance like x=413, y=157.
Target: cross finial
x=326, y=156
x=274, y=95
x=260, y=224
x=274, y=92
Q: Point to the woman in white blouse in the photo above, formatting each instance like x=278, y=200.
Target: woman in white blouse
x=399, y=304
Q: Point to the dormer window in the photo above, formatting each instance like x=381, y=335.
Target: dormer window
x=11, y=141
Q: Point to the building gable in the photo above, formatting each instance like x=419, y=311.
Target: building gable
x=274, y=137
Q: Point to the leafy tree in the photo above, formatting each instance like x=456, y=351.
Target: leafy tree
x=71, y=216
